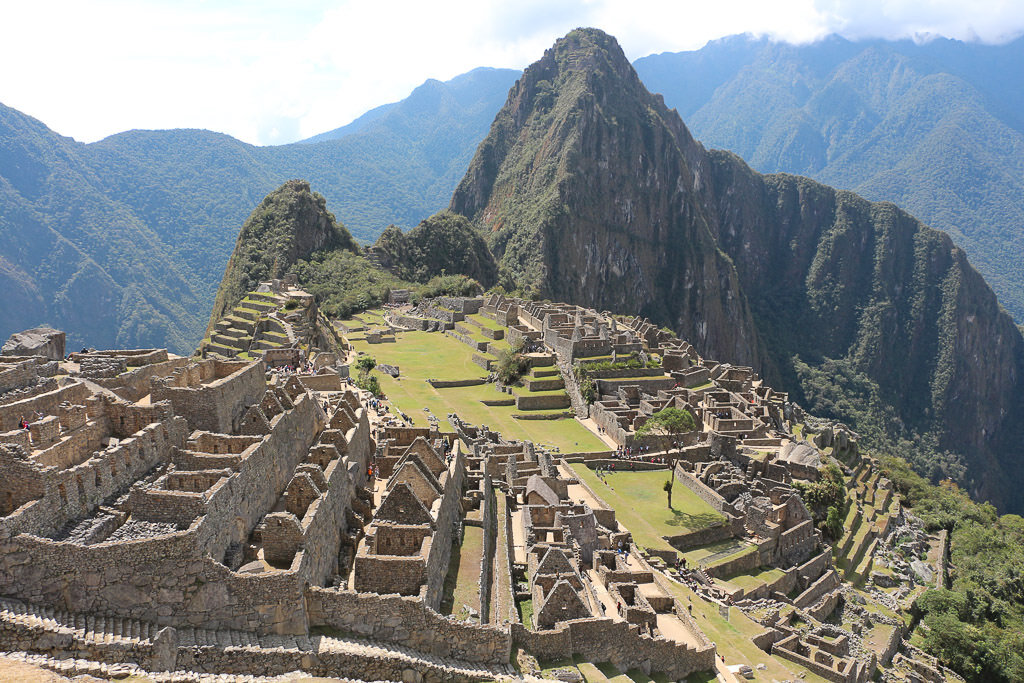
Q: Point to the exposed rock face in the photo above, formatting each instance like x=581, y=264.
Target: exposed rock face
x=587, y=186
x=39, y=341
x=290, y=224
x=592, y=191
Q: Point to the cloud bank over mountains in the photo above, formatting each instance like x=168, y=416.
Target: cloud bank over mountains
x=269, y=73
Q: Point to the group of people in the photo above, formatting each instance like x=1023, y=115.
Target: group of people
x=288, y=370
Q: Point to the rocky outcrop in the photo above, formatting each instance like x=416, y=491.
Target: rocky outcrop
x=39, y=341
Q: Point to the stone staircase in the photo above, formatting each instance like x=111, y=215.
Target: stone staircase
x=73, y=644
x=81, y=627
x=250, y=326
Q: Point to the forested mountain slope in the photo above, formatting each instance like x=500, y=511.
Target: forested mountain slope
x=936, y=127
x=123, y=242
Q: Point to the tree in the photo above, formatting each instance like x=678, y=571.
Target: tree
x=365, y=364
x=511, y=364
x=667, y=425
x=667, y=488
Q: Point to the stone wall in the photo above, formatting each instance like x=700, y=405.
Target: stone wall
x=47, y=403
x=618, y=642
x=703, y=491
x=406, y=621
x=543, y=402
x=135, y=384
x=208, y=399
x=827, y=582
x=453, y=383
x=449, y=514
x=325, y=382
x=695, y=539
x=489, y=516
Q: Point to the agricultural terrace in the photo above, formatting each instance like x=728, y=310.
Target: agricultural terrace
x=432, y=355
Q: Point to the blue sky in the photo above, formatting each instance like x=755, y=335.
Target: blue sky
x=274, y=72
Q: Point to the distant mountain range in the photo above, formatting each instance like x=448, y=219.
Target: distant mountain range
x=122, y=242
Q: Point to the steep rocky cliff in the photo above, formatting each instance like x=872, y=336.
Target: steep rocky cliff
x=289, y=225
x=590, y=190
x=585, y=186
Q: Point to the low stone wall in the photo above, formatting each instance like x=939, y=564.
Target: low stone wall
x=743, y=563
x=703, y=491
x=135, y=384
x=544, y=384
x=618, y=642
x=467, y=340
x=695, y=539
x=406, y=621
x=543, y=402
x=486, y=363
x=47, y=403
x=453, y=383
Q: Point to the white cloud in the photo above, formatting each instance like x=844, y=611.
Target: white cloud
x=271, y=72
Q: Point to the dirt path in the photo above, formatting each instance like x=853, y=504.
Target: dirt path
x=13, y=671
x=592, y=426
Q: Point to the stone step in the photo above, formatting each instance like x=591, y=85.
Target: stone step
x=408, y=658
x=261, y=306
x=227, y=351
x=84, y=627
x=240, y=323
x=228, y=341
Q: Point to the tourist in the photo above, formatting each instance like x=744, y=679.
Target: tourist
x=22, y=423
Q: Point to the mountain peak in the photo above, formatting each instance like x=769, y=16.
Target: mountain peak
x=290, y=224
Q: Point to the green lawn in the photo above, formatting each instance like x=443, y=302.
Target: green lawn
x=423, y=355
x=718, y=550
x=640, y=505
x=485, y=322
x=756, y=578
x=467, y=586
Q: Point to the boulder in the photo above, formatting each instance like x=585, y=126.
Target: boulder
x=40, y=341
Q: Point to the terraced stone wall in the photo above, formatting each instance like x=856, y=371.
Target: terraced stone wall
x=407, y=621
